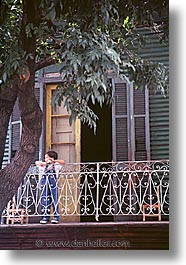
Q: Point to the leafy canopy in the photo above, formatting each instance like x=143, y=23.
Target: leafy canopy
x=87, y=39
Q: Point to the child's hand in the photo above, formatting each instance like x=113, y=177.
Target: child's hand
x=40, y=163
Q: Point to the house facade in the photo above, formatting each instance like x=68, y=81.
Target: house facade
x=134, y=128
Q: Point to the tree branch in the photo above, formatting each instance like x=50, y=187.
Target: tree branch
x=44, y=62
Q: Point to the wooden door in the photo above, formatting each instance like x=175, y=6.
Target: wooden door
x=65, y=140
x=60, y=136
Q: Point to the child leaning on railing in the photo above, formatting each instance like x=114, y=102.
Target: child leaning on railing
x=49, y=194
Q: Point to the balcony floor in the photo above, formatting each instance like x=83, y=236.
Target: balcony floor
x=87, y=235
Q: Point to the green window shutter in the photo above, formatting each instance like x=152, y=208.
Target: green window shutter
x=6, y=157
x=15, y=129
x=130, y=123
x=159, y=126
x=141, y=124
x=120, y=121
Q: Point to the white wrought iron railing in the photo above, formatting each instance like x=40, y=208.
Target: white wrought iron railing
x=132, y=188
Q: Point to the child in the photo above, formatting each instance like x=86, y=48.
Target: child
x=49, y=195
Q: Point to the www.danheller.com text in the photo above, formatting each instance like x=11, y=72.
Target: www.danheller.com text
x=100, y=243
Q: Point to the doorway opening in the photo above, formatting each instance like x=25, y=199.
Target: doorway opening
x=97, y=148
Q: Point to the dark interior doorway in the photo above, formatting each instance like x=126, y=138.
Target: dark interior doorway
x=97, y=148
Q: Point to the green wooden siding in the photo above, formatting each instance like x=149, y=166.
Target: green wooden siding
x=159, y=108
x=156, y=51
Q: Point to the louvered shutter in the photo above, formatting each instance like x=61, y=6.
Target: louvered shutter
x=141, y=124
x=130, y=123
x=6, y=157
x=15, y=129
x=159, y=126
x=120, y=121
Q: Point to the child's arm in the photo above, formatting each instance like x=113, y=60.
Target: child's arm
x=60, y=161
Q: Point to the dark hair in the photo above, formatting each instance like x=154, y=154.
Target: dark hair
x=52, y=154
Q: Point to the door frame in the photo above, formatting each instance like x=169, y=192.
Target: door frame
x=48, y=124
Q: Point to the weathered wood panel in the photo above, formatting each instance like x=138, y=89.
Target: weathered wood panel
x=121, y=235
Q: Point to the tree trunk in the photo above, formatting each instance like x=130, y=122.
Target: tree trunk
x=31, y=116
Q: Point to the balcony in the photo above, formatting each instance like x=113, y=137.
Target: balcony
x=104, y=191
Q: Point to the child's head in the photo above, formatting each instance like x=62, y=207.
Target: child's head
x=49, y=155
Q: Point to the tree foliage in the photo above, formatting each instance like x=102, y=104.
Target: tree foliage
x=87, y=39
